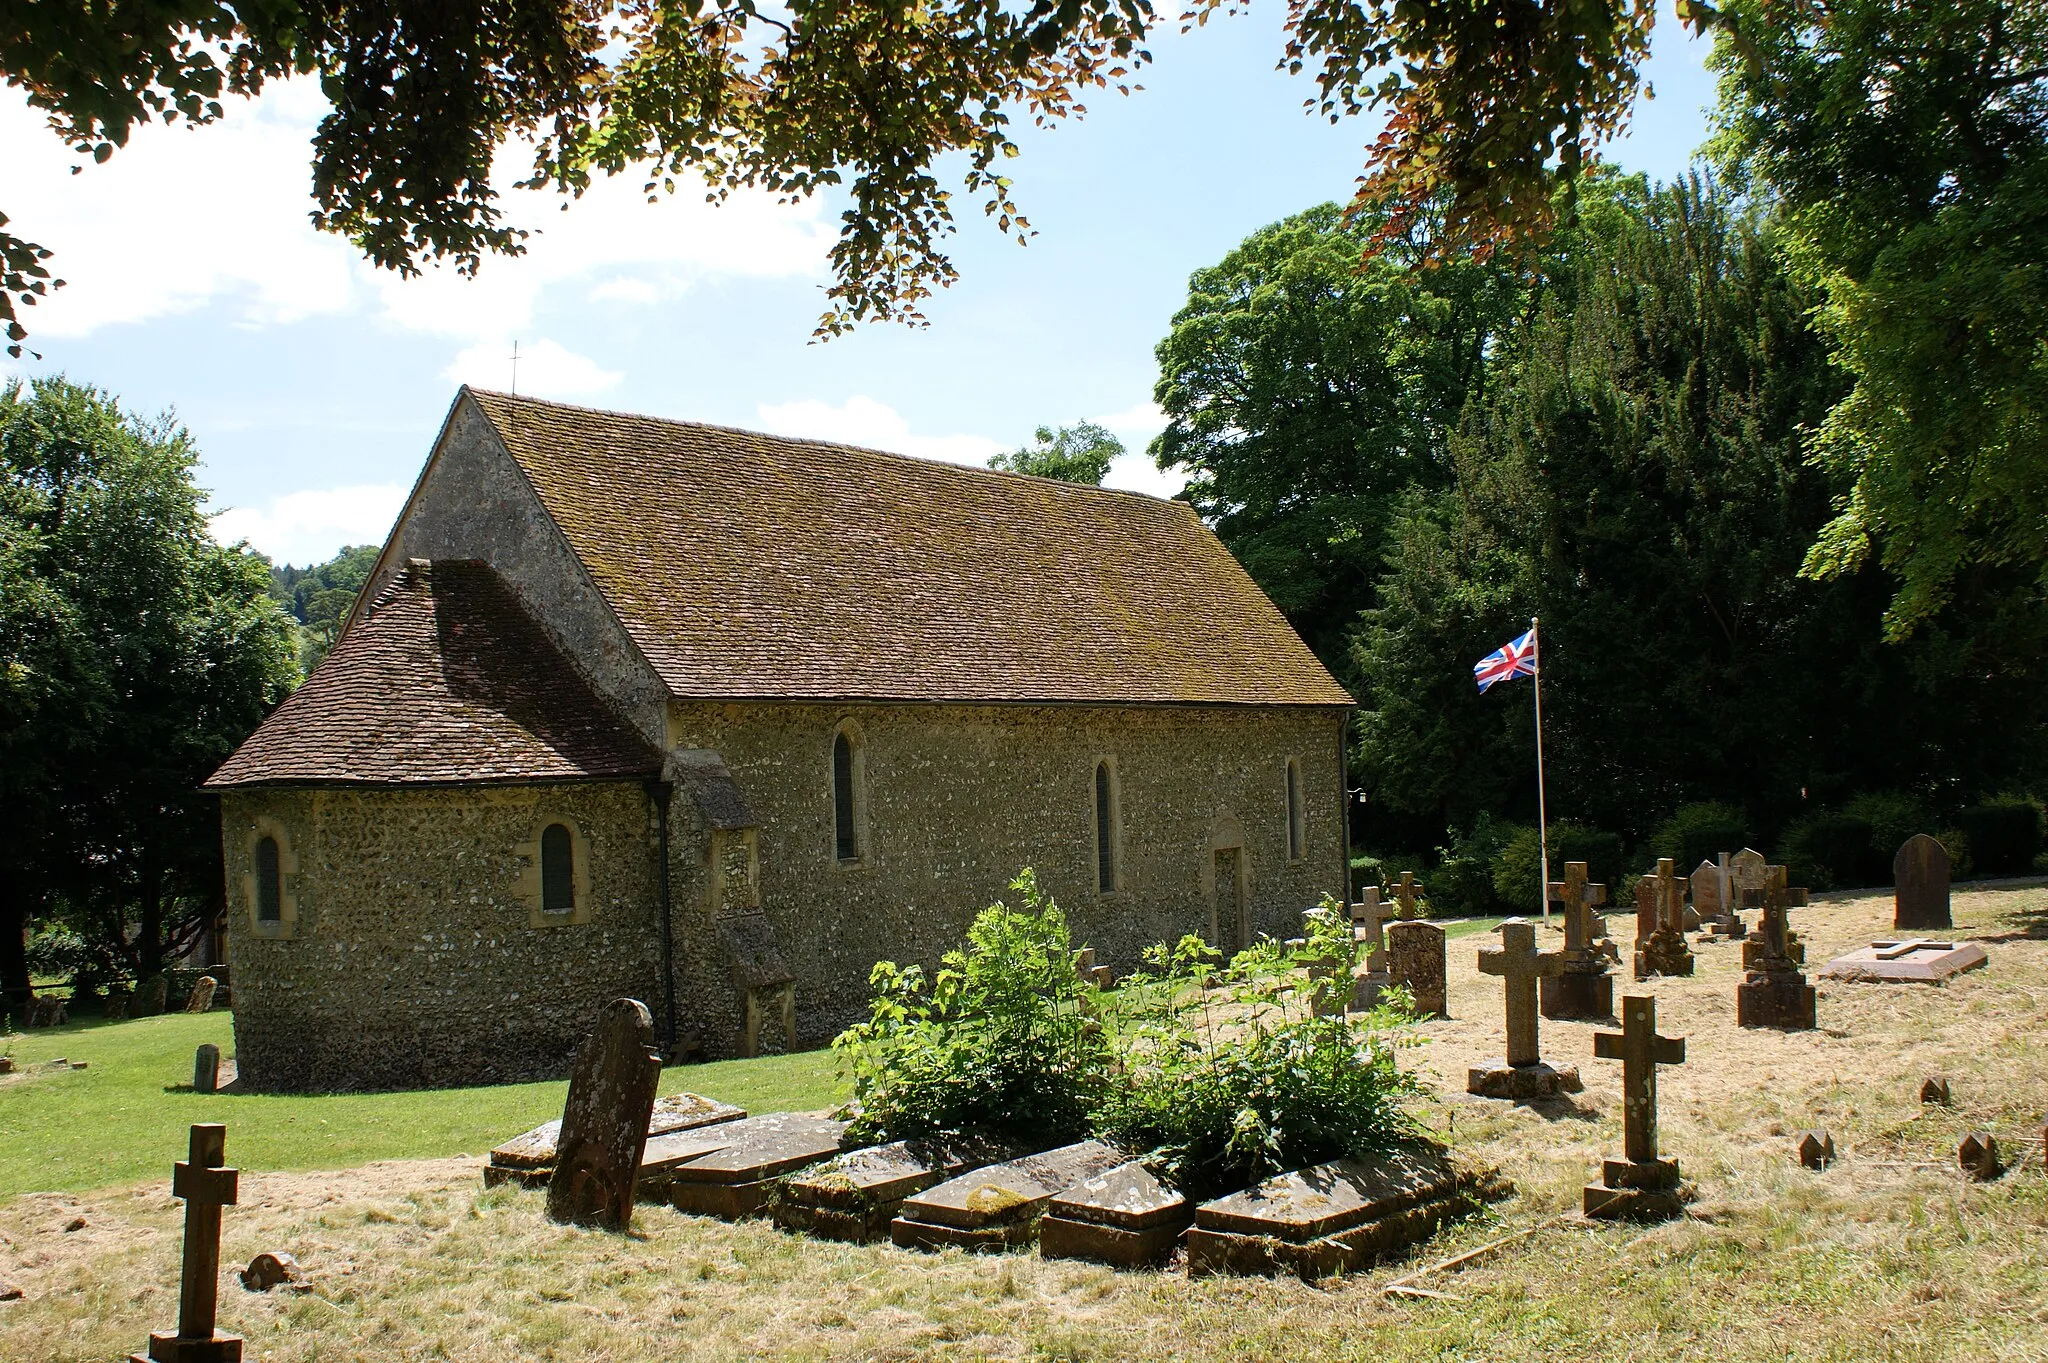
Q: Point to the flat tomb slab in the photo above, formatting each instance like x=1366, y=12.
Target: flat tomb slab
x=529, y=1158
x=1125, y=1217
x=998, y=1205
x=1335, y=1217
x=855, y=1195
x=736, y=1179
x=1909, y=960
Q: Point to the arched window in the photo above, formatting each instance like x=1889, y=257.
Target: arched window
x=269, y=882
x=557, y=870
x=1296, y=835
x=845, y=823
x=1105, y=828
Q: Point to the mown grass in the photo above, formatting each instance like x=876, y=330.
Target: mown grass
x=124, y=1117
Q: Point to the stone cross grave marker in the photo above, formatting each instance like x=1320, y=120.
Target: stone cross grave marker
x=604, y=1122
x=1643, y=1184
x=1666, y=952
x=1774, y=991
x=206, y=1068
x=1583, y=988
x=1920, y=877
x=1368, y=928
x=206, y=1187
x=1407, y=892
x=1523, y=1074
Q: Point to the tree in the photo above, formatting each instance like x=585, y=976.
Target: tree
x=136, y=653
x=1081, y=453
x=1908, y=147
x=1490, y=104
x=321, y=596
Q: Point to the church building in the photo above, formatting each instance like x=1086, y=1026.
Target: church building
x=717, y=720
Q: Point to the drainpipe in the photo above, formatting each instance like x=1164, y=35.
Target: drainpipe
x=660, y=793
x=1344, y=809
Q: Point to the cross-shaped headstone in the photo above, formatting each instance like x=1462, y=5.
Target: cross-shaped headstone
x=1369, y=918
x=1670, y=896
x=206, y=1187
x=1579, y=898
x=1518, y=962
x=1640, y=1051
x=1646, y=908
x=1407, y=891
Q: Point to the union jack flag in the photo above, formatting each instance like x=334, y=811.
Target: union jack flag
x=1517, y=659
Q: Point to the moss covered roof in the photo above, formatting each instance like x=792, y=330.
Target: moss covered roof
x=752, y=566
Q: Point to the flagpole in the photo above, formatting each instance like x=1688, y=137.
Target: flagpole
x=1542, y=816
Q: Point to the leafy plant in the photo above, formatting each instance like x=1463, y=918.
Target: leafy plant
x=1700, y=832
x=2004, y=836
x=1893, y=817
x=1462, y=882
x=1518, y=867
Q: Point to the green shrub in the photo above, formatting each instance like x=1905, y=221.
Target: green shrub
x=1700, y=832
x=1518, y=868
x=1365, y=870
x=2004, y=836
x=1893, y=817
x=1462, y=883
x=1003, y=1043
x=1826, y=851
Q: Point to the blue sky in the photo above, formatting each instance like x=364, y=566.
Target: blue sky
x=313, y=384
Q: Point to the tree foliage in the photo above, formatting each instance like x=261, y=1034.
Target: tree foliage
x=1081, y=453
x=321, y=596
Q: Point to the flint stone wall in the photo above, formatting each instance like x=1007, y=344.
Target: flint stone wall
x=413, y=962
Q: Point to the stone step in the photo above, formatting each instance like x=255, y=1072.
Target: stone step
x=856, y=1195
x=1125, y=1217
x=1000, y=1205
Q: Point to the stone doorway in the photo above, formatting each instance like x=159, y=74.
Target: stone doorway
x=1227, y=926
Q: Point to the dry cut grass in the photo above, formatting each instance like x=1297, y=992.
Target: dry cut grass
x=1889, y=1255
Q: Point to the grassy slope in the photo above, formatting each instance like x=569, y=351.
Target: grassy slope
x=114, y=1122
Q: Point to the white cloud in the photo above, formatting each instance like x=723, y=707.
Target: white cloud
x=1146, y=416
x=1137, y=473
x=863, y=421
x=546, y=369
x=310, y=527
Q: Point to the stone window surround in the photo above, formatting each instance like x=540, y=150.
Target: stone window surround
x=1295, y=810
x=1119, y=884
x=857, y=749
x=527, y=888
x=286, y=924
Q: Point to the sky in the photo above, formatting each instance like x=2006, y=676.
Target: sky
x=313, y=384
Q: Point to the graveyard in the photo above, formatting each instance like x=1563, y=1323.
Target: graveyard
x=1888, y=1250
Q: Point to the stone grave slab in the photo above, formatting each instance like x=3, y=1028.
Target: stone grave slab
x=1920, y=876
x=1334, y=1217
x=738, y=1178
x=856, y=1195
x=528, y=1159
x=1911, y=960
x=998, y=1206
x=1125, y=1217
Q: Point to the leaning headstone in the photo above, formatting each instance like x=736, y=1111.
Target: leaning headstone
x=738, y=1179
x=1584, y=988
x=999, y=1206
x=1816, y=1150
x=1522, y=1074
x=604, y=1121
x=202, y=994
x=1920, y=880
x=528, y=1159
x=1774, y=991
x=1415, y=958
x=1125, y=1217
x=206, y=1187
x=149, y=997
x=1643, y=1185
x=1915, y=960
x=206, y=1068
x=1978, y=1156
x=1335, y=1217
x=856, y=1195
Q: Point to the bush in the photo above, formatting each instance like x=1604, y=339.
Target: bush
x=1827, y=851
x=1462, y=883
x=1700, y=832
x=2004, y=836
x=1001, y=1044
x=1893, y=817
x=1518, y=867
x=1365, y=870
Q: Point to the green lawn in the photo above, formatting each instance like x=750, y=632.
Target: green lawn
x=114, y=1122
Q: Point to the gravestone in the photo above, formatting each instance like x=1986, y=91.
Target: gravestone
x=999, y=1206
x=1415, y=958
x=1368, y=930
x=1816, y=1150
x=1584, y=988
x=1666, y=951
x=1408, y=893
x=604, y=1121
x=1643, y=1185
x=1978, y=1156
x=528, y=1159
x=856, y=1195
x=737, y=1179
x=202, y=994
x=206, y=1187
x=119, y=1000
x=1522, y=1074
x=1915, y=960
x=149, y=997
x=206, y=1068
x=1336, y=1217
x=1934, y=1089
x=1125, y=1217
x=1713, y=896
x=1774, y=991
x=1920, y=881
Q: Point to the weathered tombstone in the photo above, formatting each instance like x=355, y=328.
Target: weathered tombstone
x=1978, y=1156
x=856, y=1195
x=1644, y=1185
x=737, y=1179
x=149, y=997
x=1748, y=870
x=1934, y=1089
x=1920, y=880
x=997, y=1207
x=1916, y=960
x=604, y=1121
x=1666, y=951
x=1816, y=1150
x=202, y=994
x=206, y=1187
x=1415, y=958
x=1522, y=1074
x=206, y=1068
x=1711, y=895
x=1774, y=991
x=1368, y=929
x=119, y=1000
x=1584, y=988
x=1407, y=893
x=1125, y=1217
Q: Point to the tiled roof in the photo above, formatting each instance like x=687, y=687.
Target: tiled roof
x=751, y=566
x=445, y=678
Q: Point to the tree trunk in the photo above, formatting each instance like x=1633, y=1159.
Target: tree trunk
x=14, y=986
x=149, y=942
